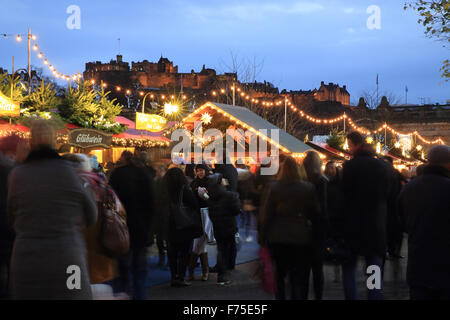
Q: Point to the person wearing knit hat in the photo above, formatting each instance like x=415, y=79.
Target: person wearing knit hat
x=425, y=206
x=202, y=166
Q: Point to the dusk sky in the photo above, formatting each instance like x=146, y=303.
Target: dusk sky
x=301, y=42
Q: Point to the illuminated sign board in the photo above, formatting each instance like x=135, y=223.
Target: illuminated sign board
x=150, y=122
x=8, y=108
x=89, y=138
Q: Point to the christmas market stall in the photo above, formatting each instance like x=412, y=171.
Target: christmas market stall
x=329, y=152
x=107, y=146
x=223, y=117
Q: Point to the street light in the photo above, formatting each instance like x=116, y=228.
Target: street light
x=143, y=101
x=29, y=36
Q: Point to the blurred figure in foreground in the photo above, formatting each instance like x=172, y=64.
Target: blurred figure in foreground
x=102, y=268
x=12, y=151
x=425, y=205
x=247, y=195
x=161, y=217
x=366, y=193
x=49, y=208
x=313, y=168
x=134, y=187
x=289, y=216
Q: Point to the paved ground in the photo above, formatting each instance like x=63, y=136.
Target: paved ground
x=246, y=287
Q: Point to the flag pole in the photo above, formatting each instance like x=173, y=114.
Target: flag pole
x=406, y=94
x=377, y=91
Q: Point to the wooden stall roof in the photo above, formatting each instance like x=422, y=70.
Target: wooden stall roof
x=248, y=119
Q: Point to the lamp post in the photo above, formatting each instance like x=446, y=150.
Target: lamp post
x=29, y=37
x=13, y=73
x=29, y=60
x=143, y=101
x=234, y=94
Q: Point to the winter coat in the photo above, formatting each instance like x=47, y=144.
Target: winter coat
x=335, y=206
x=320, y=183
x=190, y=202
x=133, y=186
x=49, y=208
x=394, y=222
x=425, y=204
x=224, y=206
x=6, y=231
x=284, y=202
x=366, y=184
x=160, y=224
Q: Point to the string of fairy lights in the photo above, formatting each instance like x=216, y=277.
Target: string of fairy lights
x=331, y=121
x=243, y=95
x=51, y=67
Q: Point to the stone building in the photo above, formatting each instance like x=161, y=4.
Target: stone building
x=333, y=92
x=151, y=75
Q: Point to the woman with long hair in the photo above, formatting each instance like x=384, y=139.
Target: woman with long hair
x=180, y=241
x=288, y=219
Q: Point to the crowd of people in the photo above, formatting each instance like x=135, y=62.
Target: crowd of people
x=360, y=210
x=55, y=209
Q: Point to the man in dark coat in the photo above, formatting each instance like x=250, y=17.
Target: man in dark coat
x=366, y=190
x=224, y=206
x=230, y=174
x=133, y=185
x=394, y=225
x=425, y=205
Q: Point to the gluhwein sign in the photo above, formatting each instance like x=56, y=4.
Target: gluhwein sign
x=89, y=138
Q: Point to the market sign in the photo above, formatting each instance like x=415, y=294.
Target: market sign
x=150, y=122
x=8, y=108
x=89, y=138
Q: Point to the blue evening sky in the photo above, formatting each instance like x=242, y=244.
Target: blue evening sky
x=301, y=42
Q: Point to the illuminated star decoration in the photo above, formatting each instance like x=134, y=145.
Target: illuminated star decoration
x=206, y=118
